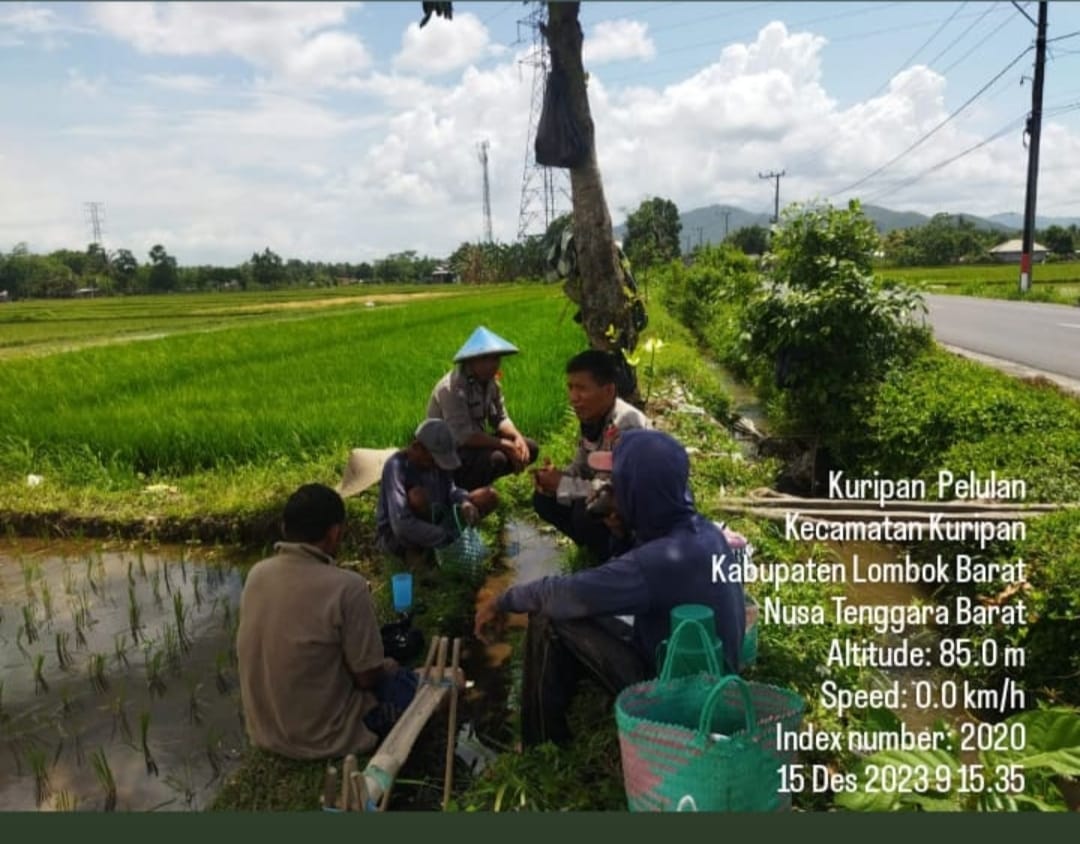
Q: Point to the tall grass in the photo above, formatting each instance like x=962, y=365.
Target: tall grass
x=278, y=394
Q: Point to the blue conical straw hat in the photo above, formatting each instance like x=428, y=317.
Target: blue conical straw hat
x=484, y=342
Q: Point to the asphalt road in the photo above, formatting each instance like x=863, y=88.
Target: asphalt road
x=1044, y=337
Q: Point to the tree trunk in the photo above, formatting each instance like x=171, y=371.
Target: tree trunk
x=605, y=305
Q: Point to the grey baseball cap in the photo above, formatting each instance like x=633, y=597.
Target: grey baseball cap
x=435, y=436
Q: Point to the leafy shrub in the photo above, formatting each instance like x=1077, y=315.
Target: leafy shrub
x=830, y=328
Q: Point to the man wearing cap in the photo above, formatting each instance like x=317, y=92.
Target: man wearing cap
x=576, y=621
x=470, y=401
x=561, y=497
x=417, y=494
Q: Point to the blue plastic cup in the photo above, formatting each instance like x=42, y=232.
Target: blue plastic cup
x=402, y=586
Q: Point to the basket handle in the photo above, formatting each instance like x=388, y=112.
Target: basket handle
x=714, y=698
x=706, y=646
x=456, y=510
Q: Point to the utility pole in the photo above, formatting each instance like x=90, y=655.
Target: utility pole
x=700, y=229
x=1034, y=130
x=727, y=213
x=776, y=201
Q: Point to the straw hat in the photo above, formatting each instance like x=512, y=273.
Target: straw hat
x=363, y=470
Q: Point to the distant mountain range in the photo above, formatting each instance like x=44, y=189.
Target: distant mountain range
x=708, y=224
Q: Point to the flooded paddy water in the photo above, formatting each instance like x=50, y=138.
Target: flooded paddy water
x=117, y=676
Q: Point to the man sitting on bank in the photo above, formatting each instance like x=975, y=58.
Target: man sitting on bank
x=314, y=682
x=470, y=400
x=417, y=495
x=560, y=497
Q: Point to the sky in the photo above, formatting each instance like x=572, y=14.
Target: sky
x=344, y=132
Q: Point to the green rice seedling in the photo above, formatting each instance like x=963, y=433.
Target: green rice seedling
x=195, y=715
x=90, y=575
x=120, y=651
x=84, y=607
x=144, y=738
x=104, y=776
x=183, y=565
x=80, y=757
x=142, y=564
x=19, y=644
x=171, y=644
x=155, y=587
x=80, y=633
x=69, y=580
x=213, y=754
x=183, y=785
x=179, y=614
x=58, y=752
x=40, y=685
x=118, y=709
x=46, y=600
x=29, y=623
x=165, y=572
x=134, y=614
x=221, y=674
x=63, y=655
x=155, y=683
x=65, y=801
x=226, y=617
x=195, y=590
x=96, y=670
x=28, y=579
x=66, y=706
x=131, y=574
x=40, y=769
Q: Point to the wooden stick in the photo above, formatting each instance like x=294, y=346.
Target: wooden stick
x=451, y=733
x=440, y=660
x=430, y=659
x=346, y=782
x=329, y=796
x=359, y=790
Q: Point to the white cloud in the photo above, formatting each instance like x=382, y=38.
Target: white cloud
x=83, y=86
x=617, y=40
x=288, y=40
x=442, y=46
x=29, y=18
x=188, y=83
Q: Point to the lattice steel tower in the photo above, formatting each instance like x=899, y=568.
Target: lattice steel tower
x=539, y=185
x=95, y=221
x=482, y=154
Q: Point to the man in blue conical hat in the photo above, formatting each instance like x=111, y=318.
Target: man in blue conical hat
x=470, y=400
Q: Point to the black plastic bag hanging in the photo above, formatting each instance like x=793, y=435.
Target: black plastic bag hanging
x=559, y=141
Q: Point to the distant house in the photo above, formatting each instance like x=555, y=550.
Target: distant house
x=4, y=297
x=443, y=275
x=1009, y=251
x=85, y=293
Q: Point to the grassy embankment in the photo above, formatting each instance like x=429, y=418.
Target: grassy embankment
x=1056, y=283
x=217, y=427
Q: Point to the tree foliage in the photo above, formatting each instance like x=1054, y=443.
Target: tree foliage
x=752, y=240
x=652, y=233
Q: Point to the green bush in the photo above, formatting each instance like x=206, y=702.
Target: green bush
x=831, y=330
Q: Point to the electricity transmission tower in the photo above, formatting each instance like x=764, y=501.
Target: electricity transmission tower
x=482, y=154
x=539, y=184
x=95, y=221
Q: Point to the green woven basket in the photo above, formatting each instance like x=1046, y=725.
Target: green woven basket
x=704, y=744
x=467, y=554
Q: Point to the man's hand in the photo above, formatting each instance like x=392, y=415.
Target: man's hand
x=470, y=513
x=487, y=613
x=614, y=523
x=546, y=480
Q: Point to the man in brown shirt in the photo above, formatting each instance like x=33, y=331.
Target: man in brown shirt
x=313, y=679
x=470, y=400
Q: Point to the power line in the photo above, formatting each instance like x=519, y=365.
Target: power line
x=986, y=38
x=933, y=131
x=922, y=47
x=962, y=35
x=1011, y=126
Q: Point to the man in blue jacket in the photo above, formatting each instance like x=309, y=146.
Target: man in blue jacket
x=575, y=624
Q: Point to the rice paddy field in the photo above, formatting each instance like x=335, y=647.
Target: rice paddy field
x=206, y=401
x=1058, y=282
